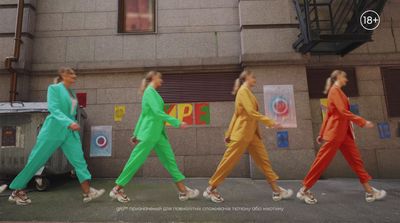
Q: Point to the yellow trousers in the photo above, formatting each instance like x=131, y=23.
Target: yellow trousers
x=232, y=156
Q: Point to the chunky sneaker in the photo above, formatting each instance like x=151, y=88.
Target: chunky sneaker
x=93, y=194
x=19, y=197
x=306, y=196
x=375, y=195
x=189, y=194
x=3, y=188
x=212, y=195
x=284, y=194
x=119, y=194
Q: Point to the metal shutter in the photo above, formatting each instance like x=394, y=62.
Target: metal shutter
x=200, y=87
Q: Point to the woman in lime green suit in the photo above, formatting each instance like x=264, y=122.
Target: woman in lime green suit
x=148, y=134
x=60, y=129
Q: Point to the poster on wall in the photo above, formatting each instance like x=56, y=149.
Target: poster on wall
x=191, y=113
x=282, y=139
x=384, y=130
x=323, y=104
x=119, y=112
x=354, y=108
x=101, y=141
x=279, y=104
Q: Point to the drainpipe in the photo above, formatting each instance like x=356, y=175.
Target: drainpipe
x=17, y=48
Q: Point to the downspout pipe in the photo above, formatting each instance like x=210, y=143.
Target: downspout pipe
x=17, y=49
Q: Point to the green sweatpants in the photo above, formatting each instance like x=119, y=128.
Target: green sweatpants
x=44, y=148
x=141, y=152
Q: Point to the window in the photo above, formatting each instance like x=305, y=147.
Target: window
x=178, y=88
x=137, y=16
x=316, y=79
x=391, y=80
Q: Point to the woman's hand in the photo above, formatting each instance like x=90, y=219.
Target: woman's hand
x=368, y=125
x=74, y=127
x=319, y=140
x=227, y=140
x=277, y=126
x=183, y=125
x=133, y=141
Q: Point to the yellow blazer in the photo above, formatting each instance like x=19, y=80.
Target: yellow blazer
x=244, y=123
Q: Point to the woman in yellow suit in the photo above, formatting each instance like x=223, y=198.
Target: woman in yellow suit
x=243, y=133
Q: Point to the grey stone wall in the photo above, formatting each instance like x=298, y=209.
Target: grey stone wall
x=194, y=36
x=189, y=33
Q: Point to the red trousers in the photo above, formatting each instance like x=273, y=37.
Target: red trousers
x=328, y=151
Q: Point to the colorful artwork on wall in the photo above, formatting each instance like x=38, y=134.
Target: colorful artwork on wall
x=101, y=141
x=280, y=105
x=282, y=139
x=191, y=113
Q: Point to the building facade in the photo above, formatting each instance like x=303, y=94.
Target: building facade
x=197, y=39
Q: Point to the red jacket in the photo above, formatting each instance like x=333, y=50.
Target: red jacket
x=337, y=122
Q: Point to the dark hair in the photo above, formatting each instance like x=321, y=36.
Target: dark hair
x=62, y=71
x=331, y=80
x=240, y=80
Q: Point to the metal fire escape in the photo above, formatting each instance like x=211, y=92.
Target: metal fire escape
x=333, y=26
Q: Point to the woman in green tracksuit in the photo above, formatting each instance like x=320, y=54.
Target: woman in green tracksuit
x=148, y=134
x=60, y=130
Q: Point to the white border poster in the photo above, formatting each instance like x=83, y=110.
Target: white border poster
x=101, y=141
x=280, y=105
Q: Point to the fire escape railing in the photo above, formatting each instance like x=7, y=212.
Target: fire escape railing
x=332, y=26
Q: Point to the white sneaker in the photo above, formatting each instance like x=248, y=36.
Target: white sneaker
x=284, y=194
x=119, y=195
x=19, y=197
x=213, y=195
x=189, y=194
x=93, y=194
x=375, y=195
x=306, y=196
x=3, y=188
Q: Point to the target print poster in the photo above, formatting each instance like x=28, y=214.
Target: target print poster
x=279, y=104
x=101, y=141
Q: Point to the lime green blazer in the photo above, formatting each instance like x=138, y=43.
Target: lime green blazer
x=151, y=123
x=59, y=105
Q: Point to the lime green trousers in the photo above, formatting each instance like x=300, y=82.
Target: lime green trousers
x=139, y=155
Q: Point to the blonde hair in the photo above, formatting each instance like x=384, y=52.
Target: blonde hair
x=240, y=80
x=147, y=79
x=61, y=71
x=331, y=80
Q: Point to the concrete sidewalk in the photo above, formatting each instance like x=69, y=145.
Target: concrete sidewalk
x=155, y=200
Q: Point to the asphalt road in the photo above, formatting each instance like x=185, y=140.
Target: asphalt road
x=246, y=200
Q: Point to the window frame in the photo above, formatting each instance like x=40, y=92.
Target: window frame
x=121, y=20
x=386, y=71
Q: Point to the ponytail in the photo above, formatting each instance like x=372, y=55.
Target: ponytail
x=62, y=71
x=58, y=79
x=147, y=79
x=331, y=80
x=240, y=80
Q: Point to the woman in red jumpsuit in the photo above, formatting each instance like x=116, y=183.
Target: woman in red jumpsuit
x=337, y=134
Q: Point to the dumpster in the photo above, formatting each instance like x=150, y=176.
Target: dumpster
x=20, y=123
